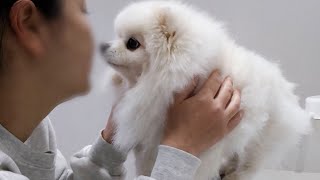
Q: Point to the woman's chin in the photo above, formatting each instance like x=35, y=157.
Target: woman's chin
x=85, y=88
x=81, y=89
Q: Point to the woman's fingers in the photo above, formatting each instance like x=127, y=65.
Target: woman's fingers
x=234, y=105
x=225, y=92
x=212, y=85
x=109, y=130
x=189, y=121
x=186, y=93
x=234, y=121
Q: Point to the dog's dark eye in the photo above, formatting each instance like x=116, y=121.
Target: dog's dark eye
x=133, y=44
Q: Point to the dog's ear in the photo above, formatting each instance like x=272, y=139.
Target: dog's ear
x=166, y=24
x=167, y=39
x=165, y=28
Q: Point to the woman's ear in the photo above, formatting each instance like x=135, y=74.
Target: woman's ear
x=27, y=25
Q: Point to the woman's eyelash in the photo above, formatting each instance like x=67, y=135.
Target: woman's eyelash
x=85, y=10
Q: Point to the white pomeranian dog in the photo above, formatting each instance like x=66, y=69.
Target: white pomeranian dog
x=161, y=47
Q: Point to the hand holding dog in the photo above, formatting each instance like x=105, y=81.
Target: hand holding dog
x=196, y=123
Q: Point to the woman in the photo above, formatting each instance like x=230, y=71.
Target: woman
x=46, y=50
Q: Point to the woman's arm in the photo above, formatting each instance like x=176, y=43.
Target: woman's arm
x=102, y=161
x=194, y=124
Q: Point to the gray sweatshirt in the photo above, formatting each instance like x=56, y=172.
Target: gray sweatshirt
x=38, y=158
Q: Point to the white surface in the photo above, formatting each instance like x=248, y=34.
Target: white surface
x=313, y=106
x=312, y=149
x=286, y=30
x=287, y=175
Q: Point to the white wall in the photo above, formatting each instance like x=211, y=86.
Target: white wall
x=283, y=30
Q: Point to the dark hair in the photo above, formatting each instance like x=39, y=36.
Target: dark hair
x=49, y=9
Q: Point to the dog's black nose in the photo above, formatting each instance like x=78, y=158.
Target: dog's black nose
x=104, y=47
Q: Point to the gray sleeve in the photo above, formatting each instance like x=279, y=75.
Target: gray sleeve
x=103, y=161
x=7, y=175
x=98, y=161
x=8, y=169
x=174, y=164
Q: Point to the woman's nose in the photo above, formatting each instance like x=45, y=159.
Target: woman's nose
x=104, y=47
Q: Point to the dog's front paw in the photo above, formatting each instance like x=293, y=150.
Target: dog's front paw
x=232, y=176
x=239, y=175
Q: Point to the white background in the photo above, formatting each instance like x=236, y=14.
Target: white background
x=286, y=31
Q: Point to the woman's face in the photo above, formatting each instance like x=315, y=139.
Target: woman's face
x=70, y=49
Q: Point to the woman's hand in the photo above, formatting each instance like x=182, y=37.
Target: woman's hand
x=108, y=132
x=195, y=124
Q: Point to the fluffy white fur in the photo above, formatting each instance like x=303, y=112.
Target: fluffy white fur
x=179, y=42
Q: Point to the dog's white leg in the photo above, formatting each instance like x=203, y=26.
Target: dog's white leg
x=250, y=162
x=230, y=166
x=144, y=160
x=275, y=140
x=211, y=162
